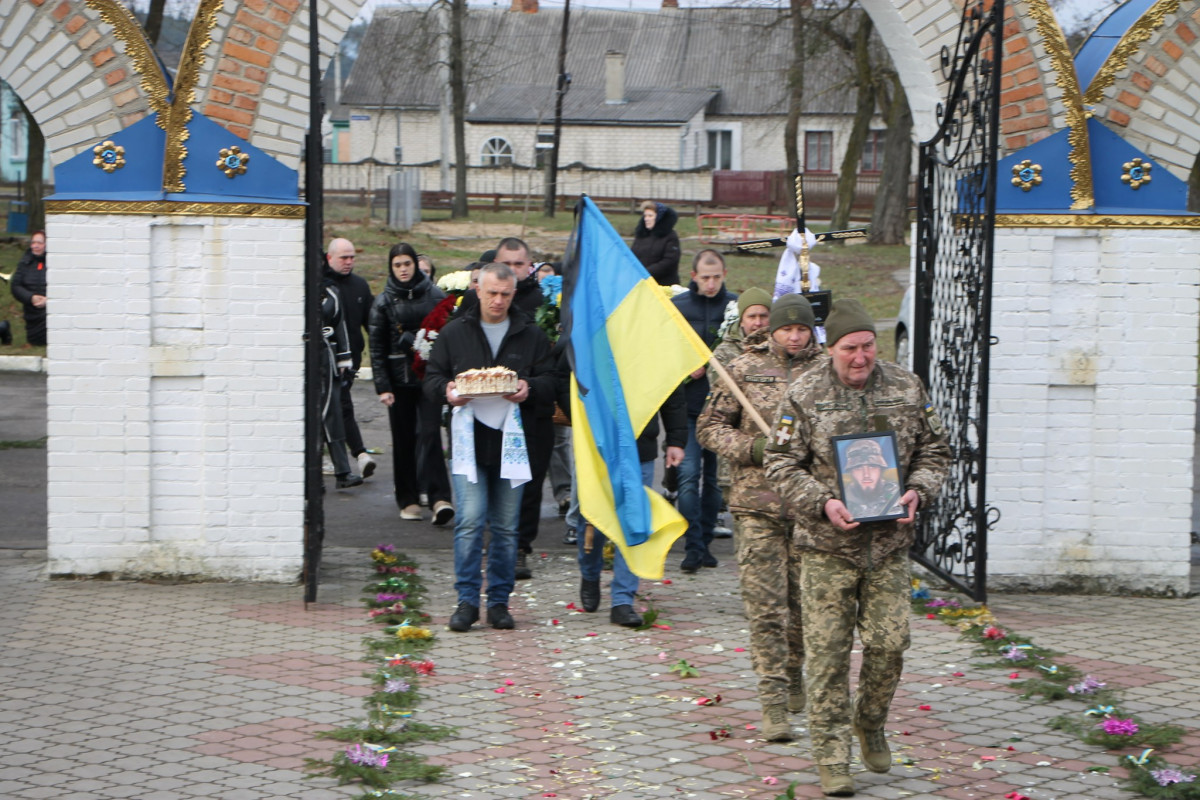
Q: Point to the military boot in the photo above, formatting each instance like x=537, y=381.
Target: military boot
x=796, y=697
x=876, y=754
x=835, y=780
x=776, y=726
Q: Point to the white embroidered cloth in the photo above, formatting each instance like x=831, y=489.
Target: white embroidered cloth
x=497, y=413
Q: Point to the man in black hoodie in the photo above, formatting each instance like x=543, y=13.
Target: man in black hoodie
x=703, y=306
x=356, y=305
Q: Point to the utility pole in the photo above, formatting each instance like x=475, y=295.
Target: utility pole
x=443, y=23
x=564, y=82
x=458, y=94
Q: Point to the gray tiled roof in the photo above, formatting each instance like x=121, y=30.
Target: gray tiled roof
x=585, y=105
x=738, y=54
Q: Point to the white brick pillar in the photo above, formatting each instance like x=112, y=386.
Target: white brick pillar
x=1092, y=408
x=175, y=397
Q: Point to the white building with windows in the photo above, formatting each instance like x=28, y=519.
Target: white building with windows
x=672, y=90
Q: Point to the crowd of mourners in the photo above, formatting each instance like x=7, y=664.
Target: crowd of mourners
x=822, y=452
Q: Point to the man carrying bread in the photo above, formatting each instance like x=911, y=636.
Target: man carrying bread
x=490, y=459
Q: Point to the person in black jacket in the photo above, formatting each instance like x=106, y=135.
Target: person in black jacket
x=335, y=361
x=29, y=287
x=395, y=318
x=496, y=457
x=356, y=304
x=656, y=244
x=703, y=306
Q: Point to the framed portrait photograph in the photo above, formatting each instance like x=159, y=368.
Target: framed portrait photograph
x=869, y=476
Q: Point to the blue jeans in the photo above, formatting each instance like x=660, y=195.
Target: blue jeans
x=491, y=501
x=699, y=495
x=624, y=583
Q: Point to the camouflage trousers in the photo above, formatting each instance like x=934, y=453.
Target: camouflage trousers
x=837, y=597
x=769, y=575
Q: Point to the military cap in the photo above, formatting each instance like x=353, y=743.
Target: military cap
x=792, y=309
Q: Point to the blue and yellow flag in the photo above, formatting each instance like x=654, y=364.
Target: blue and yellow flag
x=631, y=349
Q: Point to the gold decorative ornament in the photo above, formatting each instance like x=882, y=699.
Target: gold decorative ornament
x=173, y=111
x=1082, y=192
x=1132, y=40
x=1136, y=172
x=108, y=156
x=233, y=161
x=1148, y=221
x=1027, y=175
x=177, y=209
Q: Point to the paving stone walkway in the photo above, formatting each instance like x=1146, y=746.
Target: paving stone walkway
x=160, y=691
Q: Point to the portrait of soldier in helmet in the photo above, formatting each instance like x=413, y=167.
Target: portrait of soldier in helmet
x=868, y=488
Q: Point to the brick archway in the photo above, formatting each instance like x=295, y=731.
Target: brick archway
x=80, y=83
x=1152, y=103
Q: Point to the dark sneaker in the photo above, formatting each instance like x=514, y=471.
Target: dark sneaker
x=443, y=512
x=564, y=506
x=589, y=594
x=523, y=572
x=690, y=564
x=500, y=619
x=347, y=481
x=571, y=536
x=625, y=616
x=709, y=560
x=463, y=617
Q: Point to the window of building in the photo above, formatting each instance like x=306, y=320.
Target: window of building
x=545, y=144
x=16, y=135
x=872, y=155
x=720, y=149
x=818, y=151
x=496, y=152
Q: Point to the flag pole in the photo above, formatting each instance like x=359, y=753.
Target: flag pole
x=719, y=368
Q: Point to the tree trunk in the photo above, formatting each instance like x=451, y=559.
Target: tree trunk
x=864, y=110
x=458, y=99
x=154, y=20
x=552, y=166
x=35, y=167
x=889, y=222
x=791, y=129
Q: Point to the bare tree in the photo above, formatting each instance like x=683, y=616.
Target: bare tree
x=458, y=102
x=35, y=166
x=795, y=82
x=889, y=221
x=559, y=94
x=858, y=48
x=154, y=20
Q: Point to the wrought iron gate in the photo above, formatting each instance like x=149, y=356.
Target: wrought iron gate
x=951, y=336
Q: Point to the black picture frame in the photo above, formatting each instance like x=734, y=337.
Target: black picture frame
x=883, y=502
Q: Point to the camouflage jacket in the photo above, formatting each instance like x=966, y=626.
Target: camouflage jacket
x=800, y=462
x=763, y=373
x=730, y=347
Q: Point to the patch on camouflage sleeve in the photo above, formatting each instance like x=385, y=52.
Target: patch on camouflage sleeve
x=935, y=422
x=784, y=430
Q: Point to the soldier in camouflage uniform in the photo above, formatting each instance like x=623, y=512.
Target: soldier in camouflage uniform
x=768, y=562
x=854, y=574
x=754, y=311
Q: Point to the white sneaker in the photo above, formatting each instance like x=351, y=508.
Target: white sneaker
x=366, y=464
x=327, y=466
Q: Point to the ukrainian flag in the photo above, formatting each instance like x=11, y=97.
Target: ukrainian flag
x=631, y=349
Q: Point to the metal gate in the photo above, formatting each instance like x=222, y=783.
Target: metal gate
x=952, y=327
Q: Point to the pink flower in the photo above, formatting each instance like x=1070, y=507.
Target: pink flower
x=1119, y=727
x=770, y=780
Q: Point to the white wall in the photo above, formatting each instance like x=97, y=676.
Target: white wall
x=175, y=397
x=1092, y=409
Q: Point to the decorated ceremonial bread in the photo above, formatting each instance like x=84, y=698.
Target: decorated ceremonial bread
x=491, y=380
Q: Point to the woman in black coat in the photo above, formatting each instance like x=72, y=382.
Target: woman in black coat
x=396, y=316
x=29, y=287
x=656, y=244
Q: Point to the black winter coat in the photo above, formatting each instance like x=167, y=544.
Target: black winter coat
x=392, y=325
x=658, y=247
x=525, y=350
x=704, y=314
x=30, y=279
x=356, y=305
